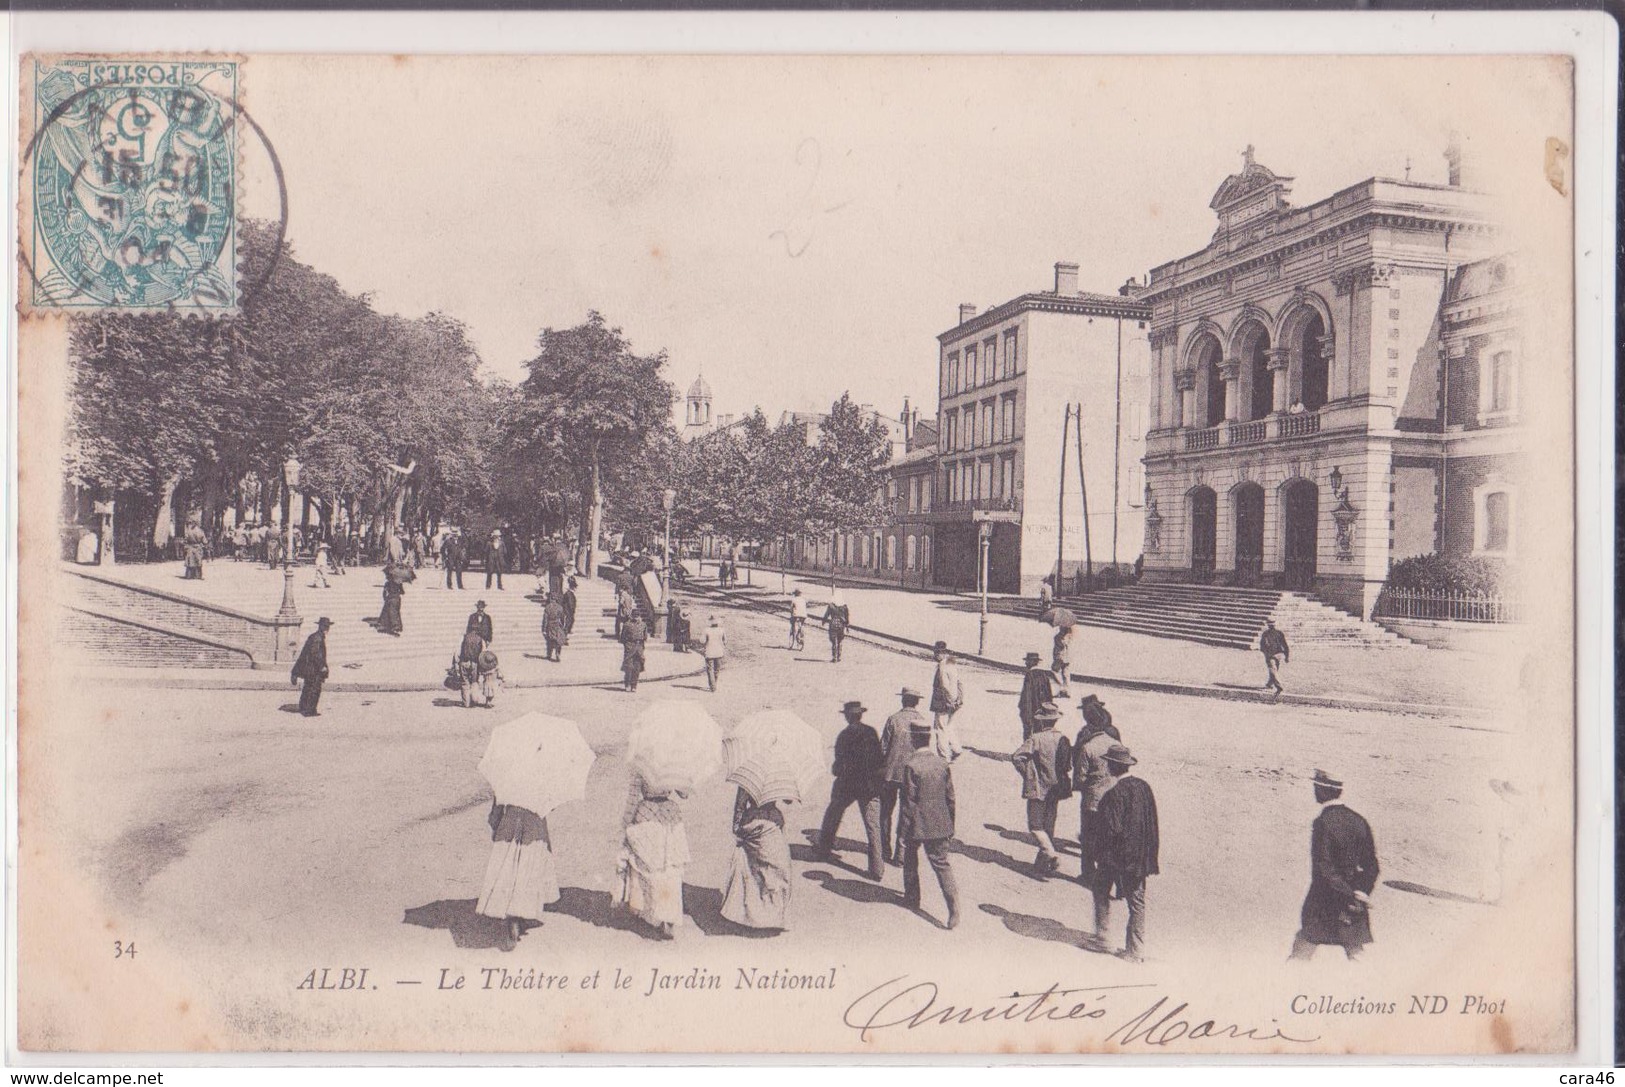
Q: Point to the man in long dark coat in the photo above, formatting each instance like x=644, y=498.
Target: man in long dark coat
x=479, y=622
x=557, y=556
x=1037, y=688
x=311, y=666
x=1342, y=872
x=567, y=599
x=454, y=554
x=860, y=769
x=928, y=820
x=553, y=628
x=1127, y=828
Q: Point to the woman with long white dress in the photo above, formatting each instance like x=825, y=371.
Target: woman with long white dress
x=521, y=877
x=653, y=855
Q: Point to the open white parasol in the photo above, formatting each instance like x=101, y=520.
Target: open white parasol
x=675, y=746
x=772, y=746
x=537, y=762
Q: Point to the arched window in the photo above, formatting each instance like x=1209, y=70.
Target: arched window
x=925, y=553
x=891, y=552
x=910, y=556
x=1313, y=366
x=1207, y=357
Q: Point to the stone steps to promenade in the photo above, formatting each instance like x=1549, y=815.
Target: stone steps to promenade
x=1221, y=615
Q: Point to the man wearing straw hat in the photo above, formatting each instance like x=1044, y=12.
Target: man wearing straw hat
x=927, y=821
x=1343, y=870
x=1127, y=827
x=860, y=771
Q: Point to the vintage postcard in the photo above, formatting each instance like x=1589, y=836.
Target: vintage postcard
x=742, y=554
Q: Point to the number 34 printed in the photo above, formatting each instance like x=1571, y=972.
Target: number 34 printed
x=123, y=949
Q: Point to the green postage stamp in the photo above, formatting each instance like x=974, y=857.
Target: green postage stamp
x=129, y=185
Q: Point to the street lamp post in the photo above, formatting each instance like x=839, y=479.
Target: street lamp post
x=290, y=476
x=985, y=535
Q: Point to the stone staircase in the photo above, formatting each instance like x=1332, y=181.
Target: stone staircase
x=1225, y=616
x=134, y=616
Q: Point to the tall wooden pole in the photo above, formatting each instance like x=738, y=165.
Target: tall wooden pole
x=1060, y=511
x=1083, y=486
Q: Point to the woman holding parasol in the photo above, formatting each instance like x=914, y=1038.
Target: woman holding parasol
x=757, y=893
x=534, y=763
x=653, y=855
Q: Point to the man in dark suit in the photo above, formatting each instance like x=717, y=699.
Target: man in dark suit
x=860, y=769
x=1037, y=688
x=928, y=820
x=1127, y=827
x=454, y=554
x=479, y=622
x=896, y=748
x=312, y=668
x=1342, y=872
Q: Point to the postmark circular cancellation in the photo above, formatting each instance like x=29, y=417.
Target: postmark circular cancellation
x=130, y=183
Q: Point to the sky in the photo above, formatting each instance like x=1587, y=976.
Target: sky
x=797, y=227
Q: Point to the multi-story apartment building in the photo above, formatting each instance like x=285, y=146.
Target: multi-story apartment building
x=1006, y=378
x=1302, y=412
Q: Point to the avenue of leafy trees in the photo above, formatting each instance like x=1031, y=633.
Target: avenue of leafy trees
x=188, y=420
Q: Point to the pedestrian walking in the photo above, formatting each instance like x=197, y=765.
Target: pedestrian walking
x=897, y=748
x=1046, y=596
x=496, y=553
x=568, y=601
x=553, y=628
x=468, y=666
x=1342, y=872
x=557, y=556
x=454, y=556
x=947, y=698
x=1272, y=643
x=322, y=565
x=1061, y=661
x=626, y=606
x=195, y=541
x=715, y=649
x=654, y=851
x=479, y=622
x=521, y=876
x=634, y=636
x=1091, y=780
x=395, y=579
x=1044, y=761
x=927, y=821
x=1128, y=854
x=798, y=619
x=837, y=617
x=756, y=893
x=860, y=773
x=311, y=666
x=682, y=629
x=1037, y=688
x=239, y=544
x=490, y=675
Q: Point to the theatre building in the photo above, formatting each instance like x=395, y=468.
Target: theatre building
x=1312, y=369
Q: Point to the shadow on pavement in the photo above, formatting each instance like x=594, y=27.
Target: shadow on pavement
x=1042, y=928
x=983, y=855
x=289, y=707
x=1022, y=836
x=984, y=753
x=597, y=908
x=854, y=890
x=467, y=928
x=704, y=907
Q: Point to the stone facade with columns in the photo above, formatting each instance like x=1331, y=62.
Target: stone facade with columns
x=1293, y=359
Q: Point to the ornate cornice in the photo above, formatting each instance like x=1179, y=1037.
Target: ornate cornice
x=1230, y=369
x=1184, y=379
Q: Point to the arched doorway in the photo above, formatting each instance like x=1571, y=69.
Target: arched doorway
x=1302, y=517
x=1312, y=365
x=1204, y=532
x=1249, y=502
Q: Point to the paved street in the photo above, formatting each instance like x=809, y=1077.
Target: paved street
x=238, y=834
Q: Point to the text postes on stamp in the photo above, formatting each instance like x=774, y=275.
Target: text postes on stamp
x=129, y=171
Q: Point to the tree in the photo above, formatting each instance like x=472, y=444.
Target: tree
x=850, y=469
x=590, y=402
